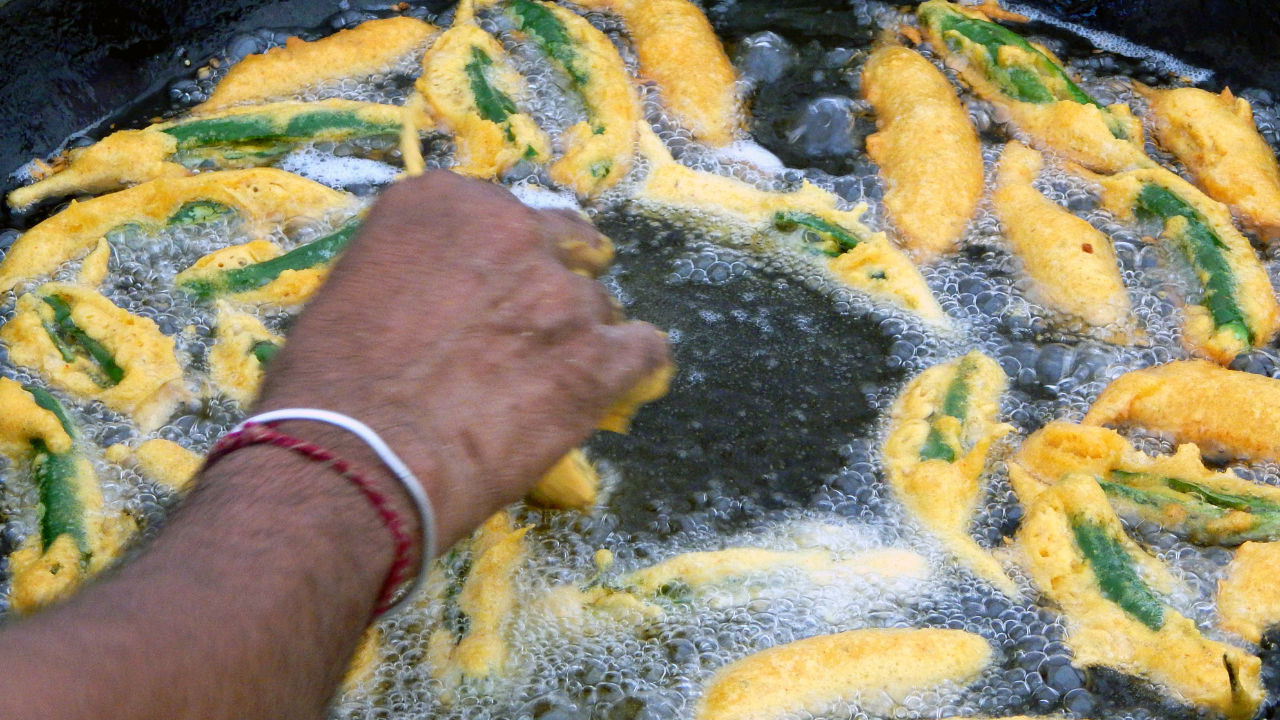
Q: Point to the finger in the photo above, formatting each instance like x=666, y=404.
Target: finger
x=554, y=304
x=633, y=354
x=575, y=243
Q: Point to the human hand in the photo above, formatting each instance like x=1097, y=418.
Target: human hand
x=467, y=330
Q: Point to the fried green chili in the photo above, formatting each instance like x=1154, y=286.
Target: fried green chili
x=1117, y=573
x=70, y=338
x=834, y=239
x=954, y=404
x=551, y=36
x=61, y=512
x=252, y=277
x=1206, y=252
x=493, y=105
x=1204, y=515
x=267, y=127
x=264, y=350
x=1040, y=81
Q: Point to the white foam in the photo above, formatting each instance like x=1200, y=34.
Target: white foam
x=1116, y=44
x=752, y=153
x=337, y=172
x=541, y=198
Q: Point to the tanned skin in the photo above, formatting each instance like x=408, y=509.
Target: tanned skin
x=462, y=326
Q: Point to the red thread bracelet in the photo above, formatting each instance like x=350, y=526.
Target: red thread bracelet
x=261, y=434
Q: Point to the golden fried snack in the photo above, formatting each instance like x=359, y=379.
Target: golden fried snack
x=243, y=348
x=471, y=88
x=1223, y=411
x=927, y=150
x=371, y=48
x=1238, y=309
x=680, y=52
x=856, y=256
x=877, y=667
x=1032, y=91
x=1071, y=265
x=1214, y=136
x=264, y=197
x=483, y=597
x=82, y=343
x=571, y=484
x=599, y=151
x=940, y=429
x=239, y=137
x=700, y=569
x=1249, y=596
x=168, y=462
x=1175, y=491
x=75, y=536
x=1107, y=586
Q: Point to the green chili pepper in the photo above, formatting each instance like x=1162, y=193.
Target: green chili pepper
x=1199, y=508
x=1117, y=573
x=266, y=127
x=264, y=350
x=493, y=105
x=1042, y=81
x=61, y=512
x=1206, y=252
x=252, y=277
x=200, y=211
x=68, y=337
x=551, y=36
x=954, y=404
x=837, y=239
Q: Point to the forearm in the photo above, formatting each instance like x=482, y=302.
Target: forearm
x=248, y=604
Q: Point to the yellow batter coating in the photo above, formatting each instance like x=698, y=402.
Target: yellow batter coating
x=129, y=157
x=121, y=159
x=371, y=48
x=486, y=148
x=700, y=569
x=1196, y=670
x=878, y=667
x=679, y=51
x=1072, y=266
x=1214, y=136
x=927, y=150
x=597, y=152
x=168, y=462
x=291, y=287
x=1249, y=596
x=941, y=493
x=1253, y=293
x=22, y=420
x=93, y=269
x=262, y=196
x=152, y=385
x=1079, y=132
x=572, y=483
x=874, y=266
x=1223, y=411
x=653, y=387
x=233, y=366
x=1061, y=448
x=39, y=578
x=487, y=599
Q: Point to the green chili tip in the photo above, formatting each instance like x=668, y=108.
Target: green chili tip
x=493, y=105
x=252, y=277
x=842, y=239
x=1205, y=250
x=264, y=350
x=954, y=404
x=68, y=337
x=1116, y=573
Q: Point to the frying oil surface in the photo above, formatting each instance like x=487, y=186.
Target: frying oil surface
x=596, y=666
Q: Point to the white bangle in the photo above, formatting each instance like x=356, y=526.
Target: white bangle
x=426, y=517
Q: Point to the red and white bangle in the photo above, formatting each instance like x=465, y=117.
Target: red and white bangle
x=259, y=430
